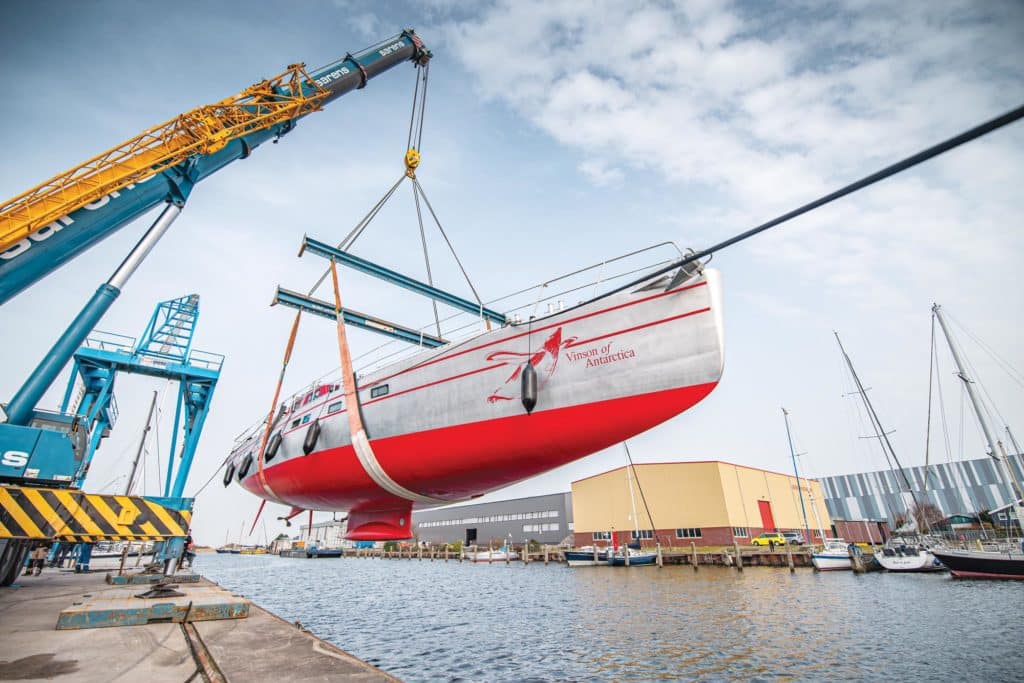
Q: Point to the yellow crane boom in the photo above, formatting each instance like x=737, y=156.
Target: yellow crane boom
x=203, y=130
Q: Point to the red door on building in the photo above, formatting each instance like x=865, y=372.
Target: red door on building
x=767, y=520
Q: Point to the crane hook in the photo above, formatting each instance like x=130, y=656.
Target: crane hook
x=412, y=161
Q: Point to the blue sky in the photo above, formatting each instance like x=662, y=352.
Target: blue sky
x=559, y=134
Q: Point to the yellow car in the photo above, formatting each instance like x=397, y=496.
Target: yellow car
x=768, y=538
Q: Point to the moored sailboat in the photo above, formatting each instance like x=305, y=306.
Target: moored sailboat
x=834, y=555
x=1006, y=560
x=897, y=554
x=632, y=554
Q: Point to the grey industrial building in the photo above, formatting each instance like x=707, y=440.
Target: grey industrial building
x=963, y=487
x=545, y=519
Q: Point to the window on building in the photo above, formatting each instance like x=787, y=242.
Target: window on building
x=335, y=407
x=602, y=535
x=688, y=533
x=305, y=419
x=379, y=390
x=296, y=422
x=646, y=534
x=740, y=532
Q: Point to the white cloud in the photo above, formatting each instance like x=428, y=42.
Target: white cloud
x=773, y=108
x=600, y=173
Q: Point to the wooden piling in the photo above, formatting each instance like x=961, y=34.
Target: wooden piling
x=739, y=557
x=545, y=554
x=693, y=551
x=595, y=553
x=789, y=558
x=856, y=560
x=661, y=561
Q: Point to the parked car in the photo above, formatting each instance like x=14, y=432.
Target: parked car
x=768, y=538
x=794, y=537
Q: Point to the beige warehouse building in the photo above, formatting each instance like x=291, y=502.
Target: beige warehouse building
x=708, y=503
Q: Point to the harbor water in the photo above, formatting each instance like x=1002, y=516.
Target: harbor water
x=429, y=621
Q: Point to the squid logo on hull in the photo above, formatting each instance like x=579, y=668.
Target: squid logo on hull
x=544, y=361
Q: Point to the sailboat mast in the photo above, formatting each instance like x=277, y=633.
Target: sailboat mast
x=876, y=423
x=1016, y=446
x=142, y=443
x=632, y=502
x=817, y=518
x=643, y=498
x=1009, y=478
x=799, y=487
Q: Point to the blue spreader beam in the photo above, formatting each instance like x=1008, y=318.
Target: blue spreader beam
x=362, y=265
x=355, y=318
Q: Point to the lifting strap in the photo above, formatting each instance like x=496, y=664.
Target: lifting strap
x=360, y=442
x=273, y=407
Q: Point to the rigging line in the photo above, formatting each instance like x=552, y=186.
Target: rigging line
x=350, y=239
x=426, y=256
x=928, y=422
x=368, y=218
x=985, y=402
x=640, y=488
x=891, y=170
x=418, y=187
x=412, y=113
x=423, y=107
x=1003, y=363
x=879, y=433
x=215, y=472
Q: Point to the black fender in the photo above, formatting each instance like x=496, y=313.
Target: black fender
x=312, y=435
x=243, y=469
x=272, y=447
x=229, y=472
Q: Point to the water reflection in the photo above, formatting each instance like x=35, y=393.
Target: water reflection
x=422, y=620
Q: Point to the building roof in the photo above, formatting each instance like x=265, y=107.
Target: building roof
x=693, y=462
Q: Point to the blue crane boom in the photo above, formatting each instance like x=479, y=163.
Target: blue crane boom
x=51, y=224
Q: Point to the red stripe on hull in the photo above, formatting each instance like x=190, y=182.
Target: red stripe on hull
x=960, y=574
x=468, y=460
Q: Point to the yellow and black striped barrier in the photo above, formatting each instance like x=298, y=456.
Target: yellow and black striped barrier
x=69, y=515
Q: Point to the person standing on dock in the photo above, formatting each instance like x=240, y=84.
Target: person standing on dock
x=190, y=554
x=36, y=560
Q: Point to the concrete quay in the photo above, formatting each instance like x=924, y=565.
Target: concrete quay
x=260, y=646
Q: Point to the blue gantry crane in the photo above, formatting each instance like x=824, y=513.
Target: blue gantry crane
x=164, y=351
x=54, y=451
